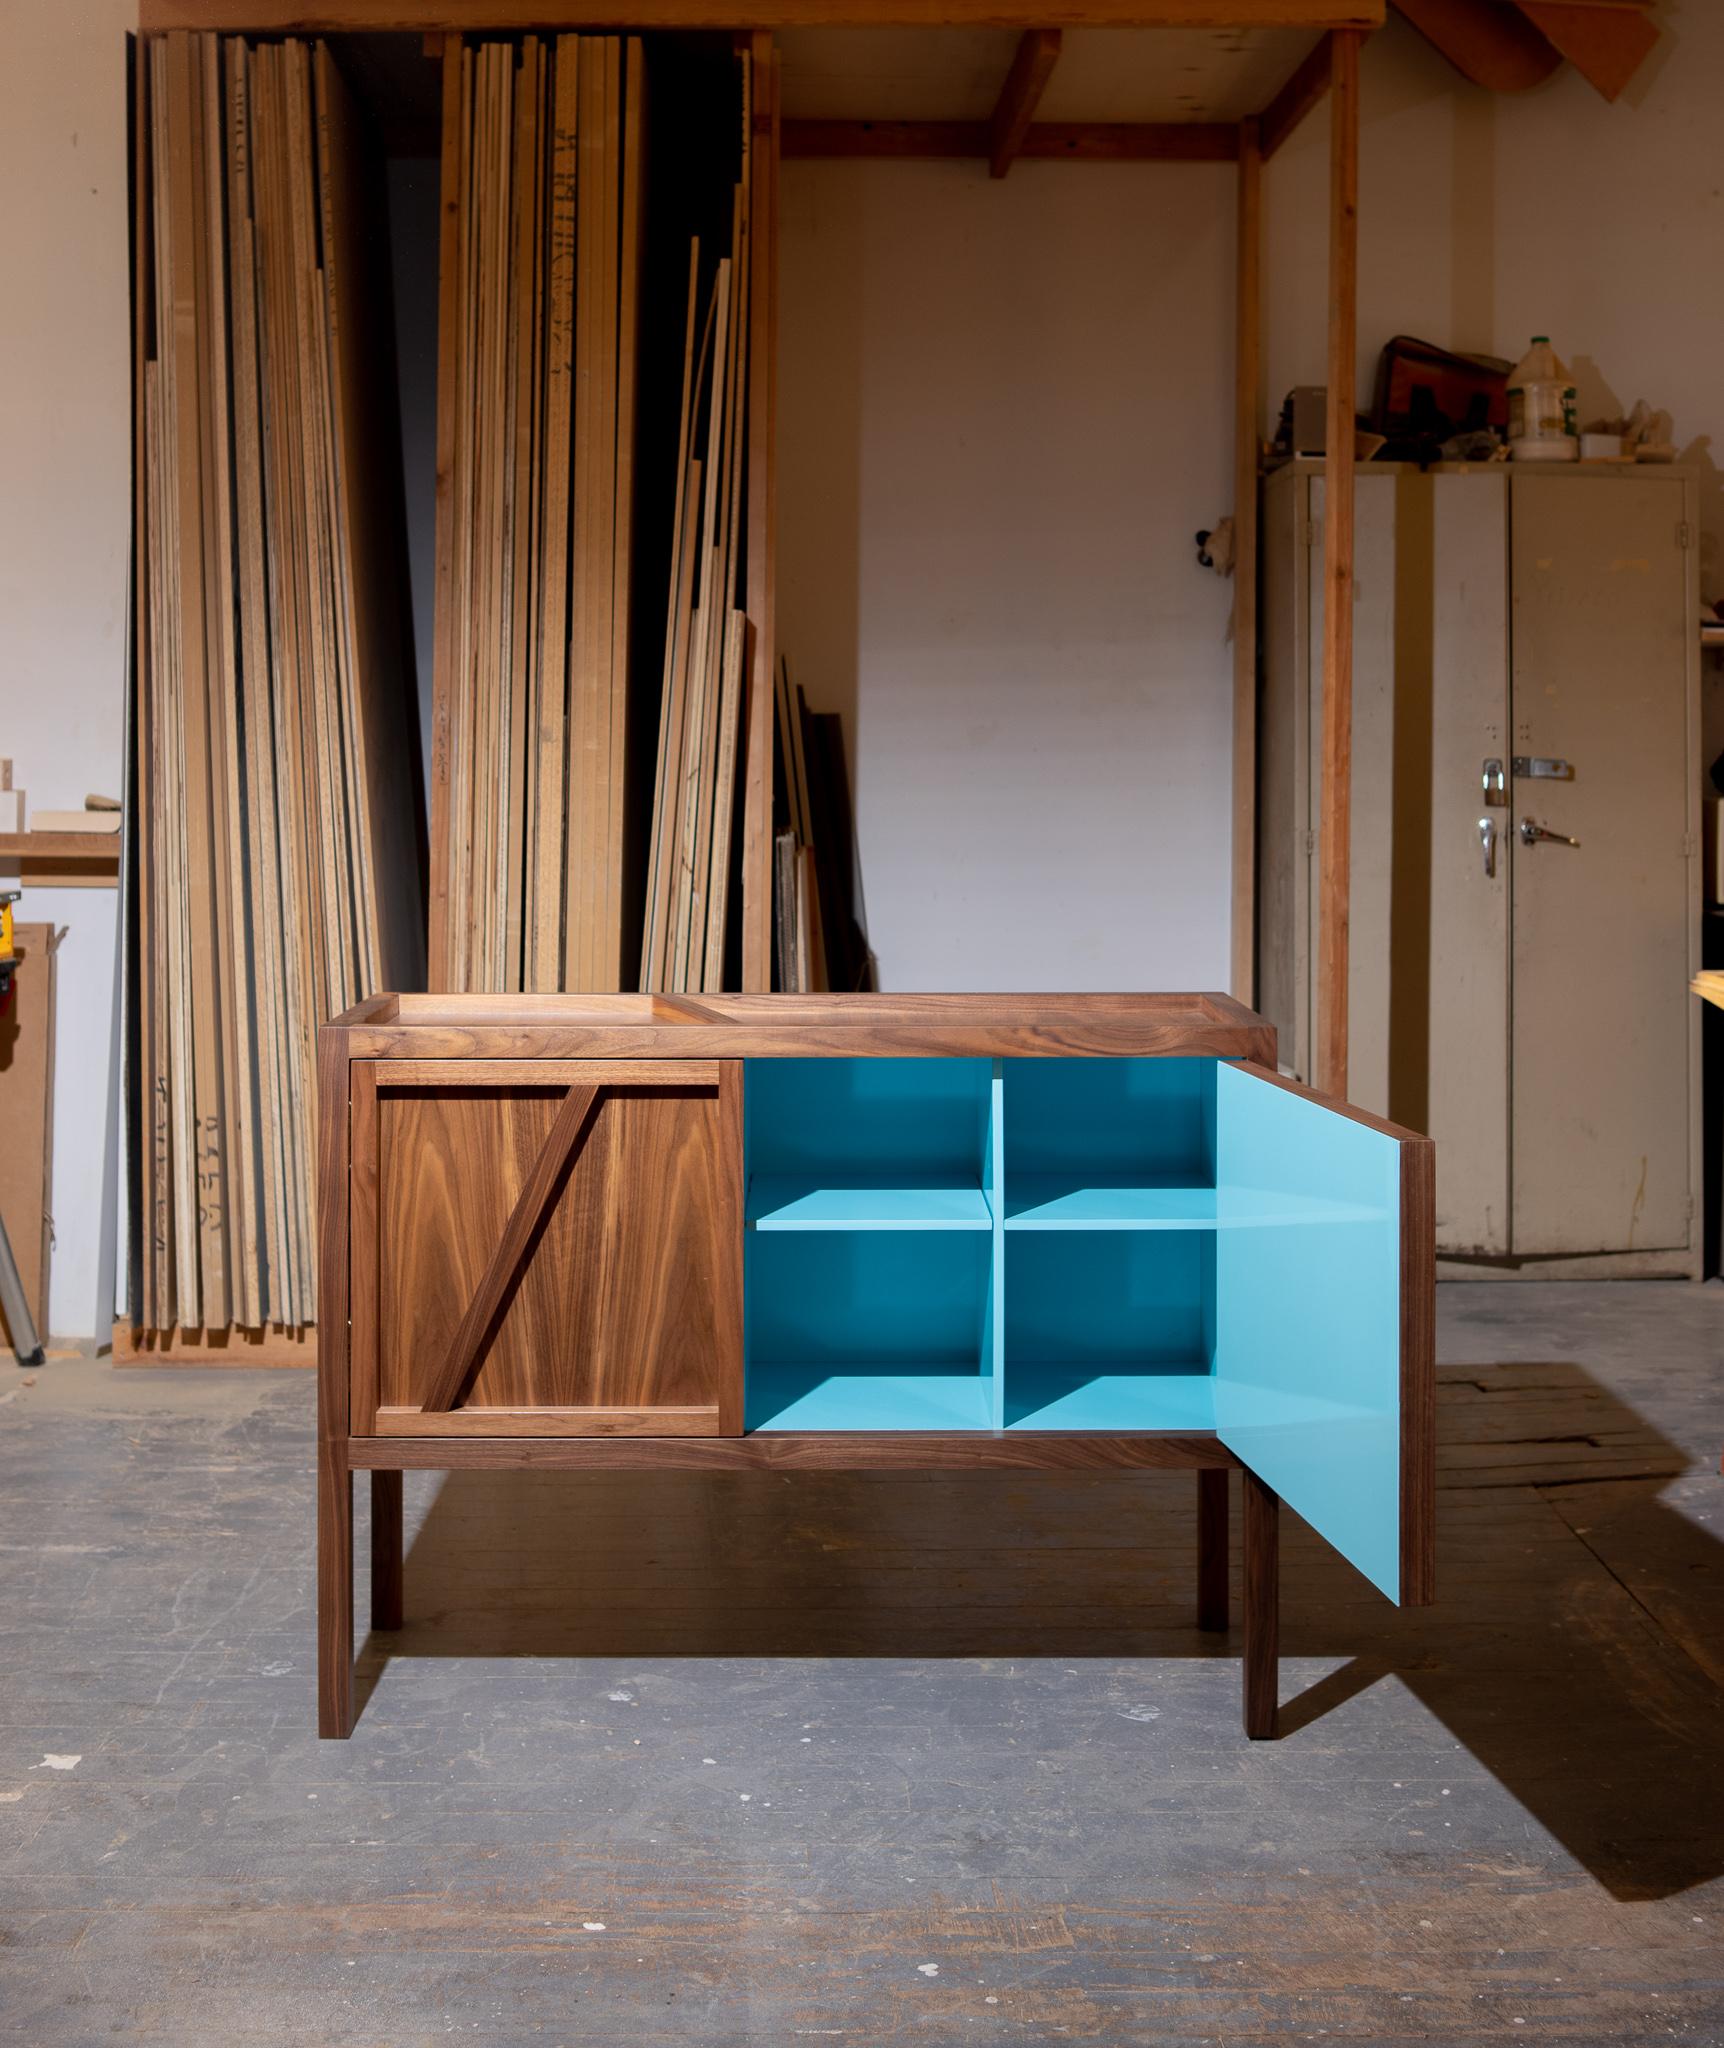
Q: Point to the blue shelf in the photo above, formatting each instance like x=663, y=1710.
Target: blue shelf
x=814, y=1397
x=908, y=1202
x=1053, y=1201
x=1078, y=1397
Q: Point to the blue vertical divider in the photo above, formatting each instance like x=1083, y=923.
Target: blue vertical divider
x=994, y=1186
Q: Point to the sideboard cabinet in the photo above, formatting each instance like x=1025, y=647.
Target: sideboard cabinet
x=737, y=1233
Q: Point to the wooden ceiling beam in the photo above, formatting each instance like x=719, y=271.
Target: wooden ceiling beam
x=1606, y=44
x=1487, y=41
x=1303, y=90
x=319, y=17
x=1037, y=54
x=1162, y=142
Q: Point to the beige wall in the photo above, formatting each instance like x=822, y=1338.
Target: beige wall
x=1003, y=413
x=65, y=466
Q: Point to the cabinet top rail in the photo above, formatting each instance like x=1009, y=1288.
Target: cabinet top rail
x=789, y=1026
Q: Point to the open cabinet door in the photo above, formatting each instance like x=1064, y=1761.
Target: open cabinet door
x=1325, y=1318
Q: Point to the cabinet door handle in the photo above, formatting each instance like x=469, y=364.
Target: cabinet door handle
x=1488, y=845
x=1531, y=832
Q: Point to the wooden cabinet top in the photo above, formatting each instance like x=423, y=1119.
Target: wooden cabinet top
x=790, y=1027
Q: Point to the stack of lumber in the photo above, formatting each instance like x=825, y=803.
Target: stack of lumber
x=818, y=934
x=585, y=775
x=548, y=143
x=695, y=836
x=278, y=876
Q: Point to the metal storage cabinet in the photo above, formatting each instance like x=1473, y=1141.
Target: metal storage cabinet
x=746, y=1233
x=1520, y=997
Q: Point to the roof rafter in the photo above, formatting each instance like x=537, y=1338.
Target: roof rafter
x=1037, y=54
x=1163, y=142
x=265, y=17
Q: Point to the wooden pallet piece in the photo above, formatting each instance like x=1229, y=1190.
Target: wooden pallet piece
x=632, y=252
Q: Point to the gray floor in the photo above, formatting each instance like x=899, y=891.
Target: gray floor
x=877, y=1760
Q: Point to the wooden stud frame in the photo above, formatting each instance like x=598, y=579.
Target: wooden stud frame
x=474, y=17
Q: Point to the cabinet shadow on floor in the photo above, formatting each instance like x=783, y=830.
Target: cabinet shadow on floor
x=1576, y=1649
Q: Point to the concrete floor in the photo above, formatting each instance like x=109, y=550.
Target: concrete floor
x=878, y=1760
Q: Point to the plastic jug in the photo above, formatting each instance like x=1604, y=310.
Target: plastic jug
x=1541, y=405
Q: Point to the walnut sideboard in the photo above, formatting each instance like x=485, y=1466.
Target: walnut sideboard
x=745, y=1233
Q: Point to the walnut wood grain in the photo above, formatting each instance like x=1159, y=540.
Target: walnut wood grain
x=1262, y=1588
x=543, y=1073
x=334, y=1476
x=829, y=1451
x=1212, y=1550
x=575, y=1116
x=542, y=1422
x=721, y=1027
x=386, y=1550
x=628, y=1302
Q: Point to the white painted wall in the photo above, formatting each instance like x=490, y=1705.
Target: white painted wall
x=65, y=468
x=1002, y=417
x=1004, y=410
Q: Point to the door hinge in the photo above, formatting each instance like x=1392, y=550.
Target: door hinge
x=1689, y=846
x=1305, y=531
x=1684, y=534
x=1690, y=1207
x=1310, y=844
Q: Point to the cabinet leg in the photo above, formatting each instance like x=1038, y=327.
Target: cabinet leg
x=1262, y=1606
x=1212, y=1550
x=334, y=1593
x=386, y=1550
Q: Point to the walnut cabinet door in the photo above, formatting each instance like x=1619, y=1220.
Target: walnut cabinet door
x=546, y=1248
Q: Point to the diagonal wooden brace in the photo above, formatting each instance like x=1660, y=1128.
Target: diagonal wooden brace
x=563, y=1142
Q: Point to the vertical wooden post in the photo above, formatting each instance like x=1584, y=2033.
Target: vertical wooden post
x=334, y=1478
x=1334, y=845
x=762, y=517
x=386, y=1547
x=1247, y=436
x=1262, y=1577
x=1212, y=1591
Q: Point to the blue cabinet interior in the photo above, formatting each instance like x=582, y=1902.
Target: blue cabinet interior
x=1081, y=1244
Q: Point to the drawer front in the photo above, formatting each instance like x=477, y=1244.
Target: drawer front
x=546, y=1248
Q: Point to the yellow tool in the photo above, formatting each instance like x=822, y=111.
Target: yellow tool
x=8, y=954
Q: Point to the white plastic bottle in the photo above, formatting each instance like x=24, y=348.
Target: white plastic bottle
x=1541, y=407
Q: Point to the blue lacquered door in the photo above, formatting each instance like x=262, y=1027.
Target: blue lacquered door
x=1323, y=1359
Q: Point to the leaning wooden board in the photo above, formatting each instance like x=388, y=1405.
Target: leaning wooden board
x=27, y=1114
x=757, y=1232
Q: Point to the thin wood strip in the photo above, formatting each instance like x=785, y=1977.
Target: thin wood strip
x=457, y=1073
x=562, y=1144
x=487, y=1424
x=552, y=735
x=657, y=849
x=444, y=822
x=757, y=852
x=1247, y=441
x=1334, y=847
